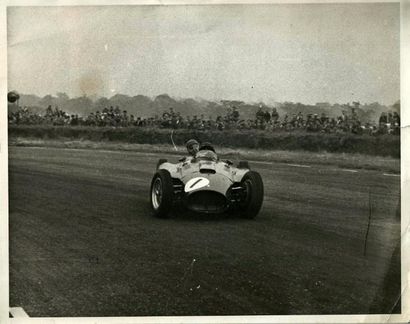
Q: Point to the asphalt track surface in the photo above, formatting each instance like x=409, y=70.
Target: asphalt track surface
x=83, y=242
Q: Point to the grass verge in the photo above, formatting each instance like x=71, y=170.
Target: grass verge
x=340, y=160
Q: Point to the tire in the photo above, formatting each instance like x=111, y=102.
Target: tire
x=243, y=165
x=252, y=182
x=160, y=161
x=161, y=194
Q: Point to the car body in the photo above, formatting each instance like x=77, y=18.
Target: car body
x=206, y=184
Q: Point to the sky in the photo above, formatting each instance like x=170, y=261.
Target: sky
x=306, y=53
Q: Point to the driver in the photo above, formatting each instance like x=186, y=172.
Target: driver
x=192, y=147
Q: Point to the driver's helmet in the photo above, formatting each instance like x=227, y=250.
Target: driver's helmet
x=192, y=146
x=207, y=146
x=191, y=143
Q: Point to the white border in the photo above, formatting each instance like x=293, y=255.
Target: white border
x=405, y=163
x=4, y=239
x=405, y=167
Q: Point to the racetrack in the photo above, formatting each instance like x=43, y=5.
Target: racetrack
x=83, y=242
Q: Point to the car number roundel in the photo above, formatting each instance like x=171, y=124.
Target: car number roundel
x=196, y=183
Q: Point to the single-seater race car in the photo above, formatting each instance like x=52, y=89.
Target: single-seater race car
x=205, y=184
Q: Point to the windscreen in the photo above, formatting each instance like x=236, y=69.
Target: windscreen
x=207, y=155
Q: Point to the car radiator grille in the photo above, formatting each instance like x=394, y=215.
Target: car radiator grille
x=207, y=201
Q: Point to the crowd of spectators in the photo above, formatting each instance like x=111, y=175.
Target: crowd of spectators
x=389, y=122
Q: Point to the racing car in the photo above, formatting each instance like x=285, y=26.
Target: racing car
x=205, y=184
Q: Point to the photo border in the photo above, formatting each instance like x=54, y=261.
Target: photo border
x=405, y=179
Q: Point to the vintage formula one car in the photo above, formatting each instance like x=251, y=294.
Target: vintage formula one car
x=206, y=184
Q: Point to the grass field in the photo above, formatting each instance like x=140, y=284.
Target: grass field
x=298, y=140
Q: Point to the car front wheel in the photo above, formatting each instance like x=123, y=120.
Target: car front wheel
x=162, y=194
x=253, y=199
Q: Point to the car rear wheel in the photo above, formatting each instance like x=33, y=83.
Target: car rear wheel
x=162, y=194
x=253, y=188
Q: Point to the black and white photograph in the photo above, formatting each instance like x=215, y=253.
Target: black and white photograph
x=188, y=160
